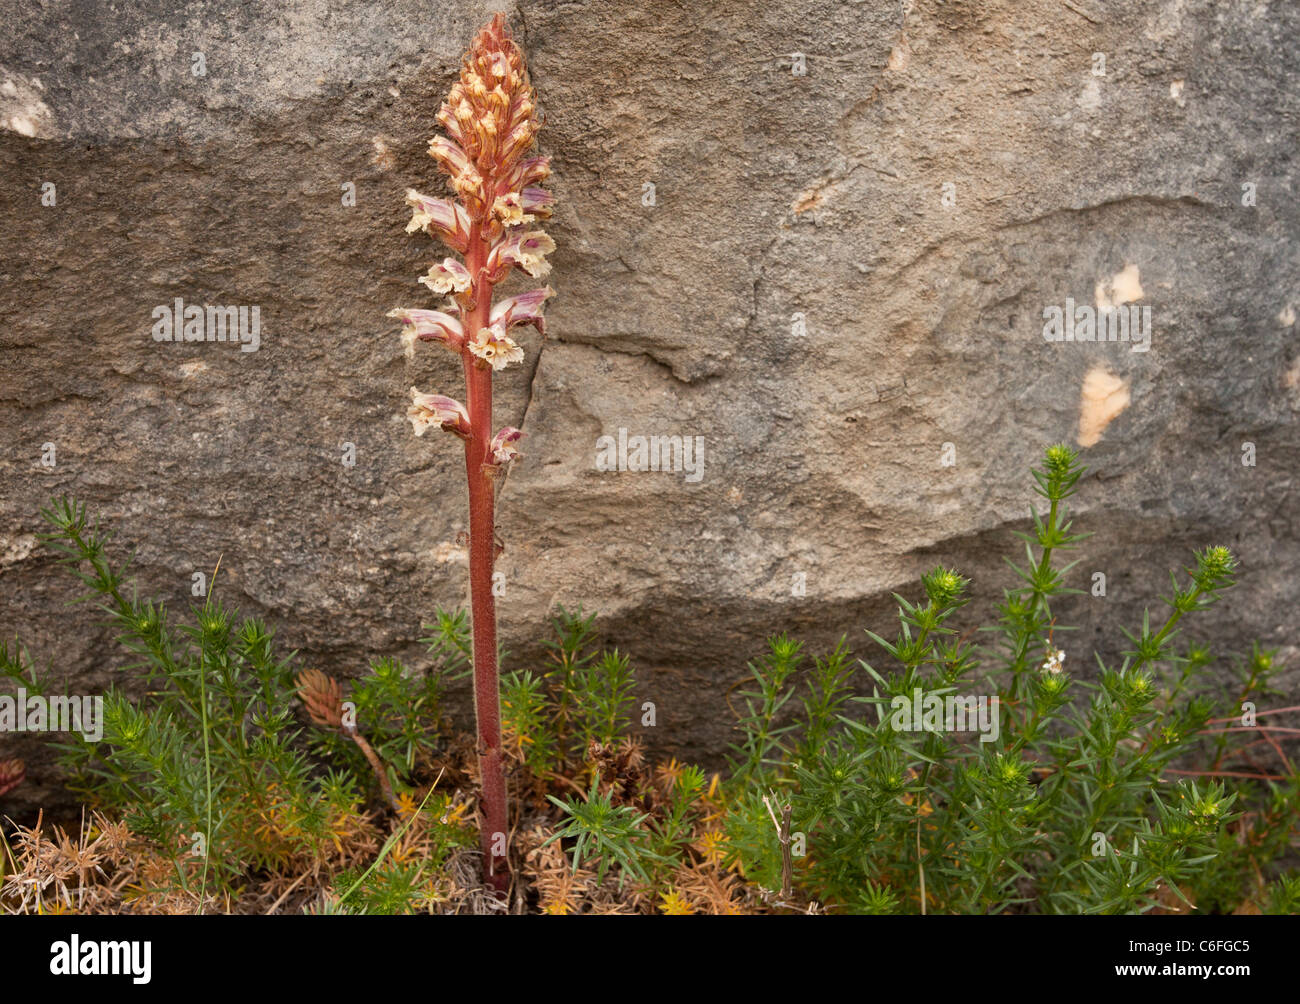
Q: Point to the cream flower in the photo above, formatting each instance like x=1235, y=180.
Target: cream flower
x=449, y=276
x=449, y=156
x=496, y=348
x=527, y=249
x=527, y=171
x=439, y=217
x=523, y=308
x=509, y=209
x=538, y=201
x=1054, y=661
x=434, y=409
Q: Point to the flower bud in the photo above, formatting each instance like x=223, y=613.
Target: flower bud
x=501, y=451
x=322, y=697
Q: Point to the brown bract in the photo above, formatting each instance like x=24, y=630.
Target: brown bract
x=322, y=697
x=12, y=773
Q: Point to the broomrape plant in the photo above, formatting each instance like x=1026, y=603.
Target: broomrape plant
x=490, y=123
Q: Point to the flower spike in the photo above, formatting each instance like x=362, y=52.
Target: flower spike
x=489, y=122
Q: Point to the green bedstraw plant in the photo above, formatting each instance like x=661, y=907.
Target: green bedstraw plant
x=1059, y=806
x=209, y=767
x=1128, y=794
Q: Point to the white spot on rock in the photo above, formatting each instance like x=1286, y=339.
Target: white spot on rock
x=16, y=549
x=383, y=157
x=448, y=551
x=1103, y=397
x=1090, y=99
x=1125, y=286
x=21, y=109
x=899, y=57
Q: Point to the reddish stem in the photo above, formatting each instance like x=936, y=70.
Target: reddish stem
x=1252, y=728
x=1258, y=714
x=482, y=559
x=1225, y=773
x=376, y=765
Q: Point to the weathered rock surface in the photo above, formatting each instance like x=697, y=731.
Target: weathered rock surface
x=823, y=195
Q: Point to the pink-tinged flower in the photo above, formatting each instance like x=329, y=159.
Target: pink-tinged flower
x=525, y=248
x=499, y=65
x=434, y=409
x=526, y=172
x=520, y=139
x=450, y=157
x=538, y=201
x=509, y=209
x=440, y=218
x=469, y=186
x=464, y=174
x=524, y=308
x=450, y=118
x=428, y=326
x=450, y=276
x=502, y=451
x=516, y=208
x=495, y=348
